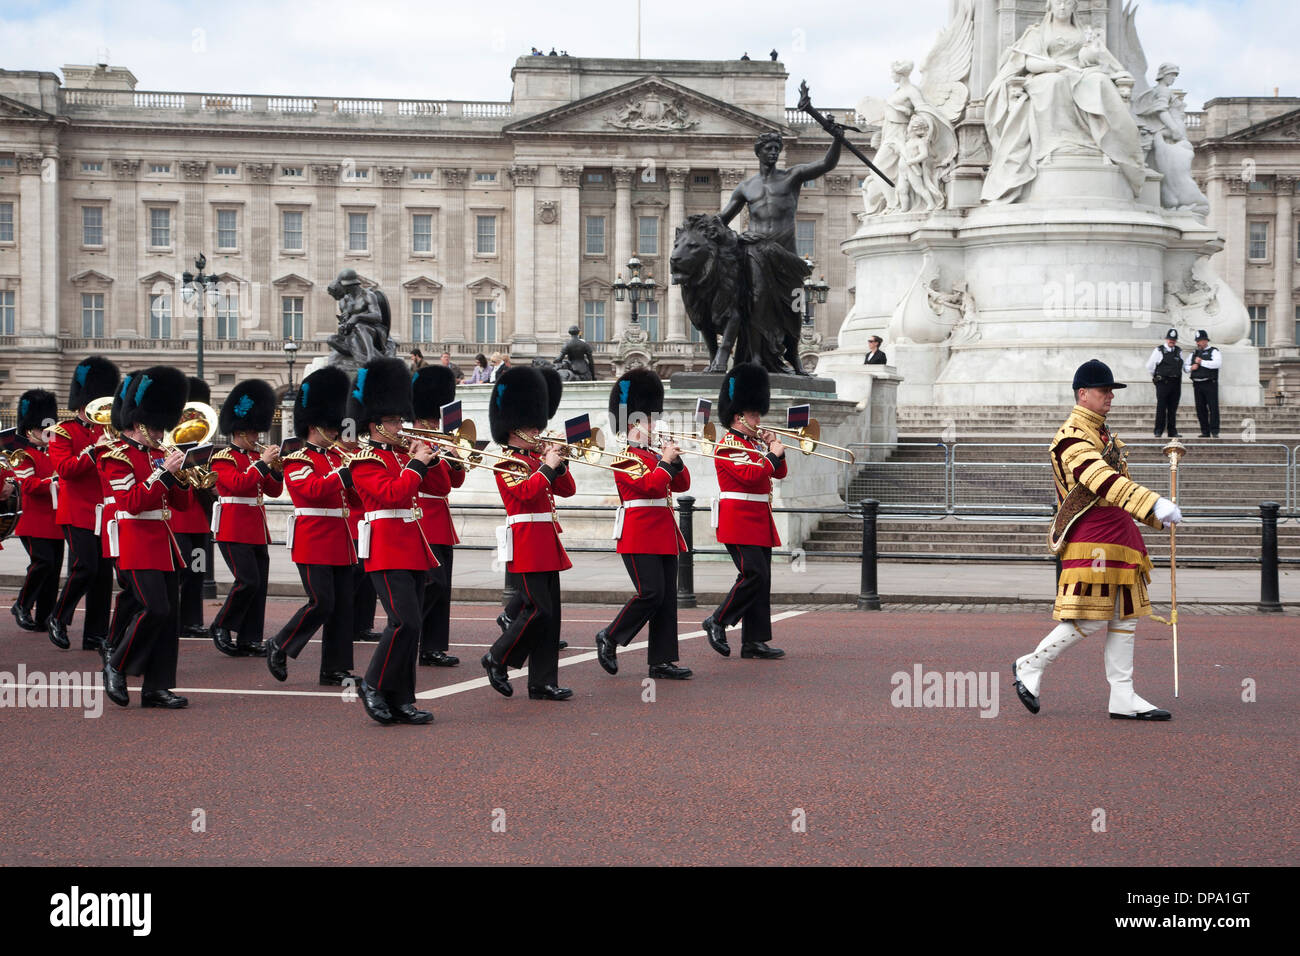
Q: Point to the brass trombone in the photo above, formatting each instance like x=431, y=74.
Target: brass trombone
x=462, y=439
x=589, y=450
x=809, y=438
x=509, y=465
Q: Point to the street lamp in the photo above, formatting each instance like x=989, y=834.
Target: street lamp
x=631, y=290
x=815, y=291
x=197, y=289
x=290, y=356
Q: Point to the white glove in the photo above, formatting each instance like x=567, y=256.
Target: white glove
x=1167, y=512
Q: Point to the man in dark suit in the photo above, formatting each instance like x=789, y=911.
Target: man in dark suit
x=874, y=355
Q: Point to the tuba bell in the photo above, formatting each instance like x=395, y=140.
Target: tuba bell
x=100, y=411
x=197, y=425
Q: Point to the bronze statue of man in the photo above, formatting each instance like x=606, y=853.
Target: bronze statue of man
x=364, y=322
x=776, y=270
x=576, y=356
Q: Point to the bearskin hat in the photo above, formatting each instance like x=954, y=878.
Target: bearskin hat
x=199, y=391
x=431, y=388
x=155, y=398
x=37, y=409
x=554, y=389
x=382, y=387
x=250, y=407
x=94, y=377
x=520, y=399
x=638, y=391
x=321, y=400
x=119, y=401
x=744, y=389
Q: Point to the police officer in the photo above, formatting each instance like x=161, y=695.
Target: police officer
x=1203, y=366
x=1166, y=367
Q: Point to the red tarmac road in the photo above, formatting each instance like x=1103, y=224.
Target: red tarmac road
x=715, y=770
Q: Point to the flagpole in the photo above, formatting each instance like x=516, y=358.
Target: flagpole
x=638, y=29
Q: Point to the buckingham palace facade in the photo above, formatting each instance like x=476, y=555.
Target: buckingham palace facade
x=489, y=225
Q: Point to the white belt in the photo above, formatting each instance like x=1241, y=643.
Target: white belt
x=114, y=549
x=308, y=513
x=215, y=526
x=521, y=519
x=99, y=514
x=506, y=539
x=732, y=496
x=635, y=503
x=363, y=528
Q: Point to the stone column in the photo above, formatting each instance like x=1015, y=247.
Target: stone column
x=676, y=216
x=569, y=306
x=622, y=237
x=389, y=252
x=1236, y=235
x=1281, y=330
x=320, y=314
x=458, y=315
x=256, y=305
x=30, y=225
x=122, y=314
x=49, y=233
x=830, y=262
x=525, y=217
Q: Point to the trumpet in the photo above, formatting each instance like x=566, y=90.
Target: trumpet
x=462, y=439
x=509, y=465
x=809, y=438
x=588, y=451
x=347, y=453
x=277, y=463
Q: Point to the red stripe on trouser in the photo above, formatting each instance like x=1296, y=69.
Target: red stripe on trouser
x=523, y=579
x=392, y=640
x=637, y=578
x=722, y=611
x=144, y=609
x=229, y=555
x=315, y=603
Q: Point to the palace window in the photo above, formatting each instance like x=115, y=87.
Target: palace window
x=291, y=230
x=485, y=320
x=421, y=320
x=805, y=240
x=160, y=229
x=1258, y=325
x=702, y=179
x=358, y=229
x=92, y=315
x=422, y=175
x=6, y=222
x=164, y=168
x=485, y=177
x=595, y=178
x=228, y=315
x=1258, y=249
x=422, y=234
x=227, y=229
x=485, y=238
x=593, y=320
x=647, y=236
x=356, y=175
x=160, y=316
x=650, y=319
x=595, y=235
x=92, y=166
x=291, y=314
x=92, y=225
x=227, y=170
x=291, y=172
x=8, y=312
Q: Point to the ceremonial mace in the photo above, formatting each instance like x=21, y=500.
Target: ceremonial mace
x=1174, y=451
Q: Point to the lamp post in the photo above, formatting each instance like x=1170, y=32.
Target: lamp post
x=290, y=356
x=196, y=290
x=631, y=290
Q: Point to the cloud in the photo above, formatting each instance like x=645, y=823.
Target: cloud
x=443, y=51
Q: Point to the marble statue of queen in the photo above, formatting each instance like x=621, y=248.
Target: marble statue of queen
x=1043, y=99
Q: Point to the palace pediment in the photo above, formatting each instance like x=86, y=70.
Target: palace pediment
x=11, y=108
x=1279, y=129
x=651, y=106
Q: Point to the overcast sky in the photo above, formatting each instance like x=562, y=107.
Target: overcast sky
x=442, y=50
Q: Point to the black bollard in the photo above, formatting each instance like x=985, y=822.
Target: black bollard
x=868, y=599
x=1269, y=598
x=686, y=560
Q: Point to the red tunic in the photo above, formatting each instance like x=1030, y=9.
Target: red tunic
x=72, y=451
x=243, y=476
x=37, y=481
x=651, y=529
x=109, y=506
x=432, y=499
x=536, y=544
x=316, y=484
x=387, y=481
x=144, y=491
x=745, y=469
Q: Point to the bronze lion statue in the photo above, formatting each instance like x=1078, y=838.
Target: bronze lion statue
x=708, y=263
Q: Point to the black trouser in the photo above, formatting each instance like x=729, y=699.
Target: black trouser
x=655, y=577
x=363, y=603
x=1207, y=406
x=125, y=607
x=1168, y=391
x=750, y=600
x=90, y=576
x=329, y=605
x=534, y=632
x=245, y=609
x=194, y=548
x=392, y=668
x=435, y=634
x=41, y=586
x=151, y=642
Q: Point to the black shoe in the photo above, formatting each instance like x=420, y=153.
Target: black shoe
x=115, y=685
x=277, y=662
x=407, y=714
x=93, y=643
x=497, y=677
x=670, y=672
x=375, y=705
x=1175, y=435
x=607, y=652
x=1026, y=698
x=563, y=644
x=1154, y=714
x=59, y=634
x=251, y=649
x=1215, y=435
x=224, y=642
x=194, y=630
x=504, y=622
x=24, y=618
x=717, y=636
x=760, y=650
x=336, y=678
x=370, y=635
x=438, y=659
x=549, y=692
x=1204, y=435
x=163, y=698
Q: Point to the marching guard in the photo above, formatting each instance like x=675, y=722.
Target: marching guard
x=648, y=537
x=318, y=537
x=37, y=529
x=245, y=477
x=530, y=539
x=125, y=606
x=73, y=447
x=433, y=387
x=749, y=458
x=397, y=557
x=191, y=524
x=1097, y=503
x=143, y=479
